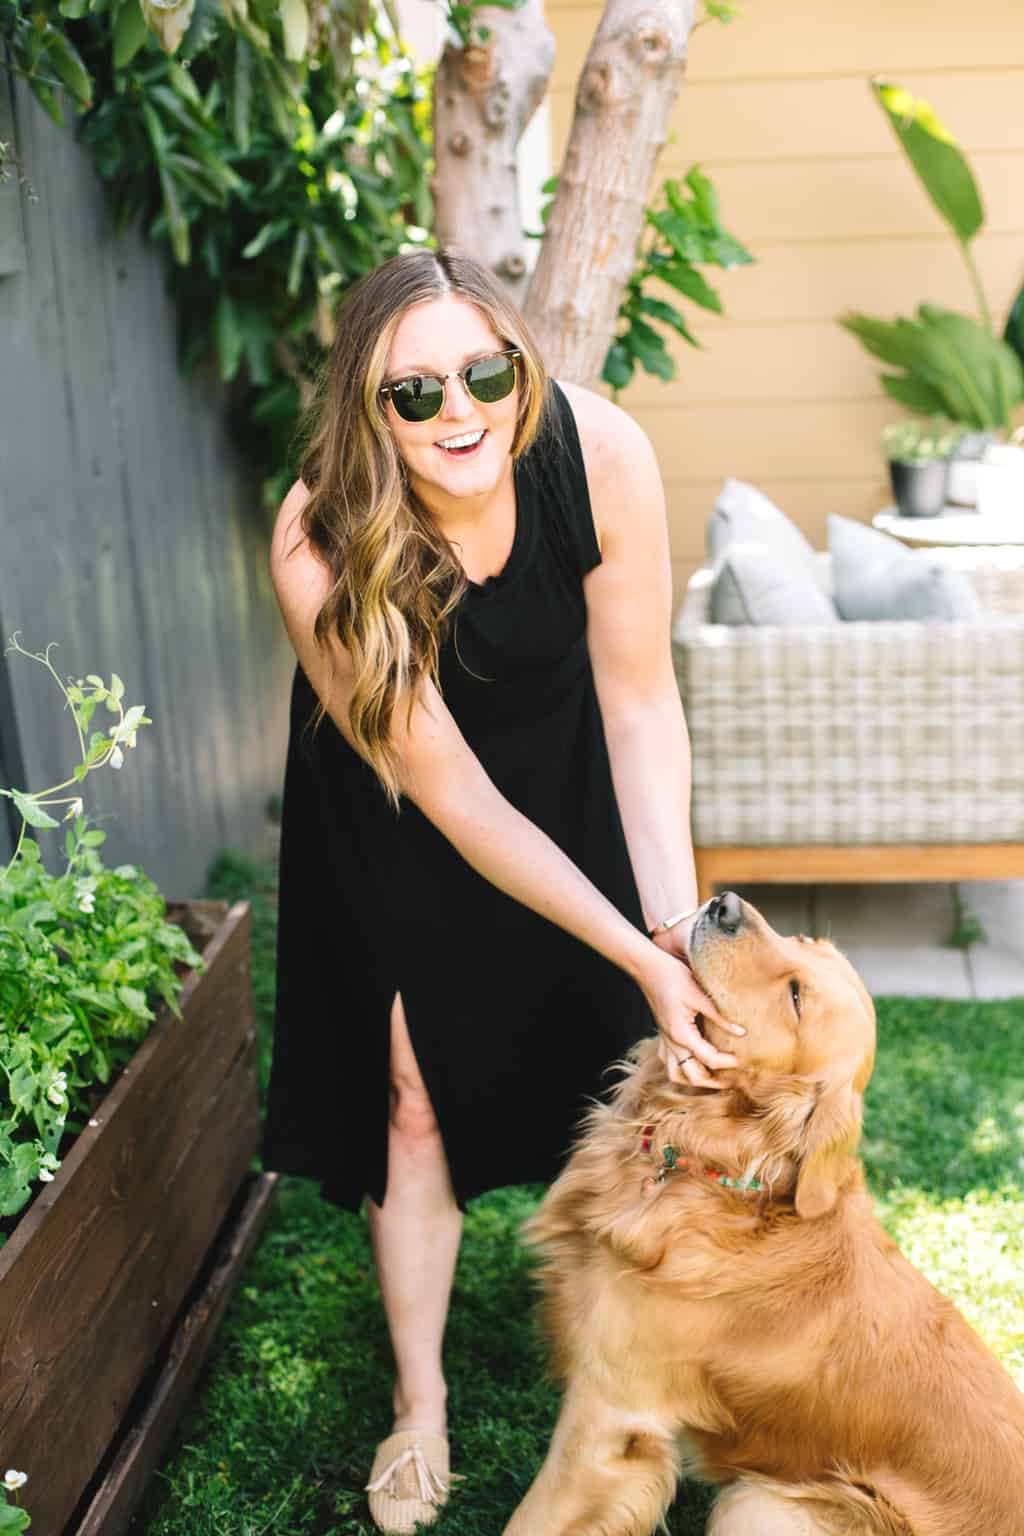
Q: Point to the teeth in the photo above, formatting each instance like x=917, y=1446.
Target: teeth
x=461, y=442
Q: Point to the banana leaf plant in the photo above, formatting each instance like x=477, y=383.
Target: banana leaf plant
x=950, y=364
x=1014, y=333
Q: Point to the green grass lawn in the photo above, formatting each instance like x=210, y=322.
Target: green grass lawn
x=281, y=1433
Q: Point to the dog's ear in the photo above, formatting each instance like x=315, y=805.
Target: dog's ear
x=832, y=1132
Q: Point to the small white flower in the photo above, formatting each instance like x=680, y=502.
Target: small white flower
x=74, y=809
x=14, y=1479
x=87, y=902
x=129, y=740
x=55, y=1092
x=46, y=1175
x=94, y=1122
x=116, y=758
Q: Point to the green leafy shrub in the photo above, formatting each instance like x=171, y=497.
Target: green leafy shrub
x=85, y=956
x=684, y=232
x=283, y=151
x=279, y=155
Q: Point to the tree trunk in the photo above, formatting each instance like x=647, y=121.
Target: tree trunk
x=625, y=97
x=484, y=96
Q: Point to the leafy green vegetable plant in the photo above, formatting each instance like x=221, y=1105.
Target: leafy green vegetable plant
x=84, y=956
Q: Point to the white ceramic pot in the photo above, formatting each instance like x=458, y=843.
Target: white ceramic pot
x=1000, y=482
x=963, y=482
x=963, y=467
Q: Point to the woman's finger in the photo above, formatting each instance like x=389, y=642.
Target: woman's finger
x=687, y=1037
x=684, y=1068
x=699, y=1075
x=676, y=1062
x=704, y=1005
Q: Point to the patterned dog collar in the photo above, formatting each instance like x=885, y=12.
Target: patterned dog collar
x=673, y=1161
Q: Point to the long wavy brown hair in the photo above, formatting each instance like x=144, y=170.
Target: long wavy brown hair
x=396, y=580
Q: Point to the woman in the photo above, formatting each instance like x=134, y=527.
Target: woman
x=473, y=570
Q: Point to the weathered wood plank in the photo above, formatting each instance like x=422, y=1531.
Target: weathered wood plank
x=88, y=1284
x=12, y=237
x=132, y=532
x=110, y=1509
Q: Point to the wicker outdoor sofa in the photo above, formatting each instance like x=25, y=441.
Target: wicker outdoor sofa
x=858, y=751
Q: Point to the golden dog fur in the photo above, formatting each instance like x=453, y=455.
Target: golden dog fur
x=774, y=1340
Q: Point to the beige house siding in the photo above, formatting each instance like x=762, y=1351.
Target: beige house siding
x=777, y=109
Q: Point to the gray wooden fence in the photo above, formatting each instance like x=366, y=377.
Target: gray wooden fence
x=130, y=531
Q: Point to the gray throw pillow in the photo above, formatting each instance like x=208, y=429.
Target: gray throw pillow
x=742, y=512
x=755, y=585
x=874, y=576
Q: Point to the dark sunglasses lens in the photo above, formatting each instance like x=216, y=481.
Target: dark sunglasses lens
x=492, y=378
x=418, y=399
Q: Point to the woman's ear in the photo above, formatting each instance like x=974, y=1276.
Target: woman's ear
x=832, y=1132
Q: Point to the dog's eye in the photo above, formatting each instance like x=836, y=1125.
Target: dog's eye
x=794, y=992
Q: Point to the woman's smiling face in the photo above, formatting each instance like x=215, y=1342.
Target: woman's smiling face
x=439, y=337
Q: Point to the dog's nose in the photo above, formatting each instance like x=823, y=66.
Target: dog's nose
x=726, y=912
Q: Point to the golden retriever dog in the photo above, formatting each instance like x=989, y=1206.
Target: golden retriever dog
x=720, y=1298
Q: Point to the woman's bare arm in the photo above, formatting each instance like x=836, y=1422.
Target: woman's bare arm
x=629, y=603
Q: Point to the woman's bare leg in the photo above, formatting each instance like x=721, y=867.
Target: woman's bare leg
x=415, y=1236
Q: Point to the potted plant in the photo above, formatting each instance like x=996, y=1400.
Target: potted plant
x=128, y=1123
x=919, y=454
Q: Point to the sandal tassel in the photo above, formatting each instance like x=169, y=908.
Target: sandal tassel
x=433, y=1488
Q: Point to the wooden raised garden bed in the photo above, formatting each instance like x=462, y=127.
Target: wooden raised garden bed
x=113, y=1281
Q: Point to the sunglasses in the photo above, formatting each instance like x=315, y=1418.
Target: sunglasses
x=421, y=396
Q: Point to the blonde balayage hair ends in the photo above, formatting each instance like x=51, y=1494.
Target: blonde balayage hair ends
x=396, y=581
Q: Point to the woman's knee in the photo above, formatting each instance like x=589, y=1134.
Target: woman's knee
x=412, y=1114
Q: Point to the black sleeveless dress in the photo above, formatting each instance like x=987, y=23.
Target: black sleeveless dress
x=513, y=1021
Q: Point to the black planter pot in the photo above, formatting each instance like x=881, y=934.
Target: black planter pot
x=920, y=489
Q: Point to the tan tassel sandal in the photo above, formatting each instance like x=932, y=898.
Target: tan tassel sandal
x=409, y=1481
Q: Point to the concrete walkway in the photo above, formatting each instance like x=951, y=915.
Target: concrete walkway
x=896, y=935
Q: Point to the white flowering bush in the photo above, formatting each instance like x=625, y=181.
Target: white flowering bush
x=85, y=955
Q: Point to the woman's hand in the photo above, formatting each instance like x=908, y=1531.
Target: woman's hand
x=675, y=998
